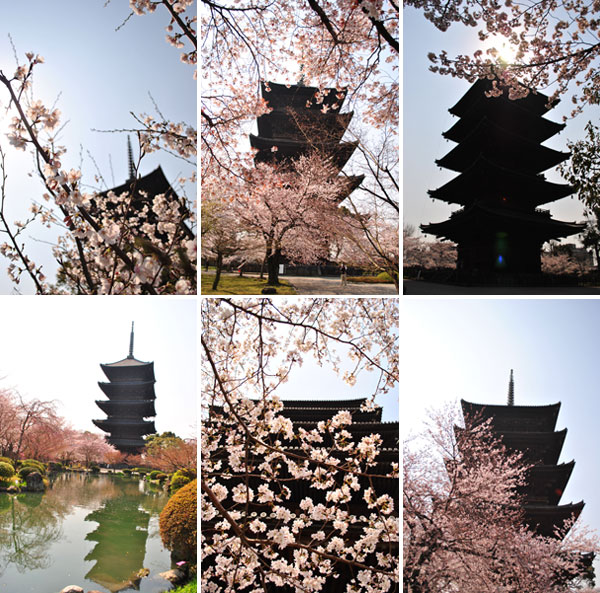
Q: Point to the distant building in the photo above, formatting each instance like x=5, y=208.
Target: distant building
x=130, y=393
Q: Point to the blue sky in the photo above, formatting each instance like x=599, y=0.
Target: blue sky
x=426, y=100
x=465, y=348
x=53, y=347
x=97, y=76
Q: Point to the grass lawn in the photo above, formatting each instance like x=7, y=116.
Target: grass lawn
x=187, y=588
x=233, y=284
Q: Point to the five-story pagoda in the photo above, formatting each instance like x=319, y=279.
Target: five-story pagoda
x=532, y=430
x=303, y=120
x=500, y=160
x=130, y=393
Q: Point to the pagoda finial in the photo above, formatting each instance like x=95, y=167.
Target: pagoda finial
x=511, y=390
x=130, y=159
x=131, y=342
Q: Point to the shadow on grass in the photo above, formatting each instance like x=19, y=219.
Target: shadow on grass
x=234, y=284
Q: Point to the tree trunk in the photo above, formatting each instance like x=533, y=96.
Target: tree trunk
x=273, y=267
x=218, y=271
x=262, y=268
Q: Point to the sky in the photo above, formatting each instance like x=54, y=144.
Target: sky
x=96, y=75
x=426, y=100
x=465, y=348
x=52, y=348
x=312, y=382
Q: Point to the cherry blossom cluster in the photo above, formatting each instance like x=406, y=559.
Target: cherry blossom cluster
x=179, y=138
x=181, y=27
x=111, y=244
x=417, y=252
x=554, y=42
x=256, y=463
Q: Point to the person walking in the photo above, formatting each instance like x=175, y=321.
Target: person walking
x=344, y=275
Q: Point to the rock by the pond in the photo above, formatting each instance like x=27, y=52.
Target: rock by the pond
x=173, y=576
x=35, y=483
x=72, y=588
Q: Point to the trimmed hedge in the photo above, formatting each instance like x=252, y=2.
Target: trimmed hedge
x=7, y=460
x=26, y=470
x=34, y=463
x=6, y=470
x=178, y=523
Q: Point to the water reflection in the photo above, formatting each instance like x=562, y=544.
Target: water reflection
x=43, y=535
x=28, y=525
x=120, y=542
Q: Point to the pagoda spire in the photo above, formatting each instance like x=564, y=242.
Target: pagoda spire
x=511, y=390
x=130, y=160
x=131, y=343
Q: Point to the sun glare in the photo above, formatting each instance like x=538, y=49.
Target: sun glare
x=505, y=53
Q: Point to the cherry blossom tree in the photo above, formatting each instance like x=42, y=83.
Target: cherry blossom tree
x=339, y=43
x=417, y=252
x=108, y=244
x=293, y=208
x=88, y=447
x=251, y=452
x=463, y=528
x=223, y=239
x=171, y=455
x=553, y=43
x=370, y=241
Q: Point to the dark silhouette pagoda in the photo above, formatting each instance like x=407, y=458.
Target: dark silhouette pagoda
x=143, y=190
x=303, y=120
x=305, y=415
x=532, y=430
x=500, y=160
x=130, y=393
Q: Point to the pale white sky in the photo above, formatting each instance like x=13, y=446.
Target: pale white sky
x=52, y=348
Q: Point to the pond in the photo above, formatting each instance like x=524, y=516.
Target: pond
x=95, y=531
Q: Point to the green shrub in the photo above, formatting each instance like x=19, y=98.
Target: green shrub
x=95, y=469
x=34, y=463
x=178, y=523
x=384, y=277
x=161, y=477
x=127, y=471
x=7, y=482
x=180, y=478
x=6, y=470
x=187, y=472
x=190, y=587
x=141, y=470
x=55, y=466
x=26, y=470
x=7, y=460
x=152, y=475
